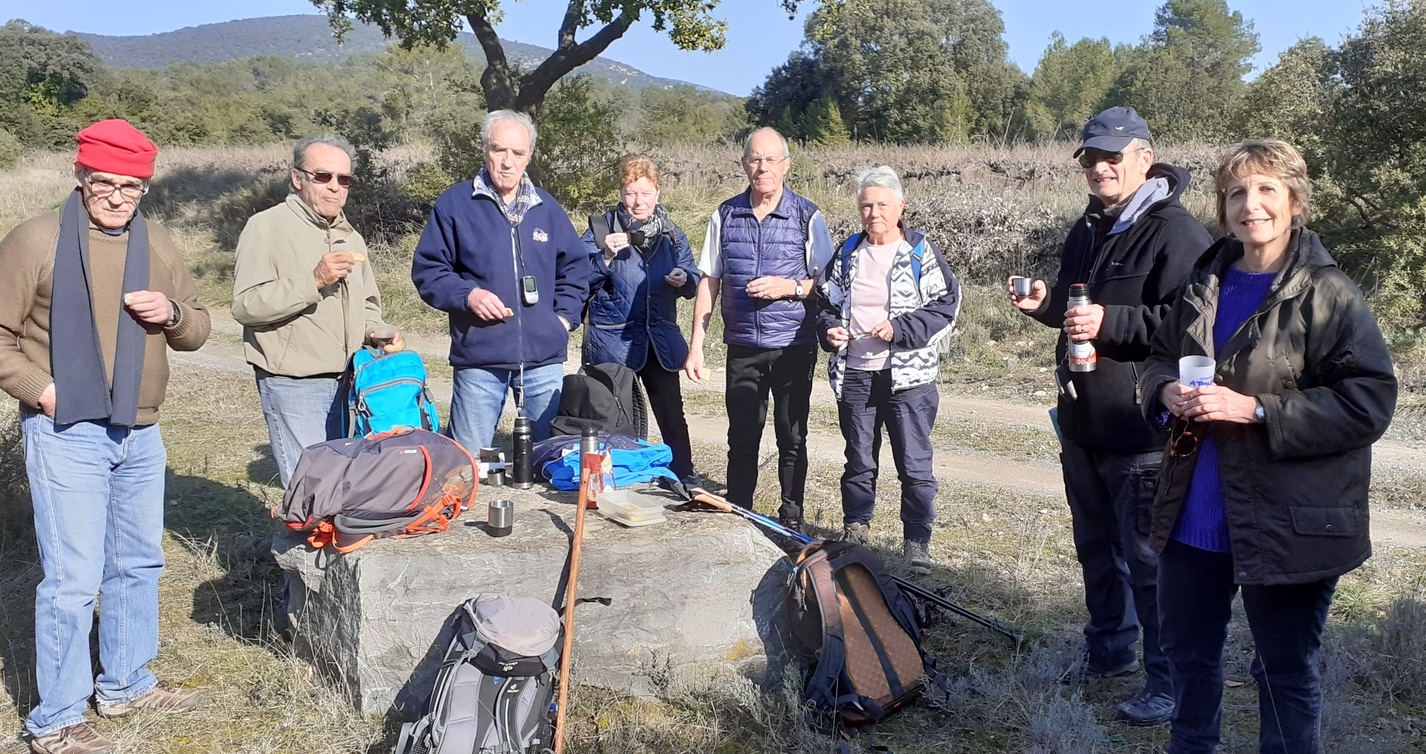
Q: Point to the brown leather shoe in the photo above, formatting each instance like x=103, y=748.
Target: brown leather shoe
x=80, y=738
x=158, y=698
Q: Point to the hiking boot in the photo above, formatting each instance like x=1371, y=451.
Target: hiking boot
x=918, y=554
x=856, y=533
x=80, y=738
x=1082, y=671
x=791, y=522
x=1147, y=708
x=158, y=698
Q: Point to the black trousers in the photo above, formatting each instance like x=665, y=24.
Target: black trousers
x=1110, y=497
x=666, y=403
x=753, y=375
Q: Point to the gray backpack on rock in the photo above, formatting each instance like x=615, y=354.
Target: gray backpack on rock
x=494, y=691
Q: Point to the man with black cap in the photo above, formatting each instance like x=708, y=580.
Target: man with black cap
x=1133, y=249
x=91, y=300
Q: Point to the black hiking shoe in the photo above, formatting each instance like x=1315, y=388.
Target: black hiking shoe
x=1146, y=709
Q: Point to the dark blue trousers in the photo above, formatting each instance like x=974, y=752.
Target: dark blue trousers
x=1196, y=591
x=868, y=403
x=1110, y=497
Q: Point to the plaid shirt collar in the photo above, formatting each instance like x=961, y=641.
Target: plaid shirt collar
x=525, y=197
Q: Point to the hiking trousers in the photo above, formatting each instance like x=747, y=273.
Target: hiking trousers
x=753, y=375
x=868, y=403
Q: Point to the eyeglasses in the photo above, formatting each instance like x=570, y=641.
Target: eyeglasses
x=325, y=176
x=757, y=162
x=1182, y=441
x=1091, y=157
x=103, y=189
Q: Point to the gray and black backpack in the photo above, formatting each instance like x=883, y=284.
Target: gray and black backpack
x=494, y=692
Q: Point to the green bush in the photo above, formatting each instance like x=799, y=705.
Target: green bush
x=10, y=150
x=579, y=148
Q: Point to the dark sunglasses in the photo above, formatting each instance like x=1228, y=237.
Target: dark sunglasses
x=1091, y=157
x=1182, y=441
x=323, y=176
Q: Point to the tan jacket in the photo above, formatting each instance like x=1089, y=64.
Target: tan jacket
x=26, y=284
x=290, y=327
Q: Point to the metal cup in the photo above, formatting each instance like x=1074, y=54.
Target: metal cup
x=500, y=517
x=1023, y=286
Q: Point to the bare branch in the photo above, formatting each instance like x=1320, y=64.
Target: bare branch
x=535, y=84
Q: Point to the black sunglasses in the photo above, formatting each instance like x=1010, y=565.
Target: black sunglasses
x=323, y=176
x=1182, y=441
x=1091, y=157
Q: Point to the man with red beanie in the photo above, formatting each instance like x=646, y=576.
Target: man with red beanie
x=92, y=299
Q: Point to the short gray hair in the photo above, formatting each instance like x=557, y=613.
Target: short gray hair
x=748, y=142
x=1139, y=144
x=299, y=150
x=495, y=116
x=882, y=176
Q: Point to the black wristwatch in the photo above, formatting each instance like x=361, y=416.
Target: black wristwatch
x=175, y=317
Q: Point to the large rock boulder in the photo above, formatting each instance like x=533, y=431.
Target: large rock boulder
x=701, y=592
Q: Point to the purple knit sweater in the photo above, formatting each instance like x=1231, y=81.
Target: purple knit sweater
x=1203, y=520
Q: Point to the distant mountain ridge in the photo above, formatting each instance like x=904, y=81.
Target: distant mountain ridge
x=309, y=38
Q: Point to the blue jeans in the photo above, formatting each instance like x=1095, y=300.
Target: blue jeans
x=98, y=497
x=1196, y=590
x=300, y=413
x=1110, y=497
x=867, y=404
x=478, y=399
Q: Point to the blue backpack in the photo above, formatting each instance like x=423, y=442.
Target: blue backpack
x=389, y=390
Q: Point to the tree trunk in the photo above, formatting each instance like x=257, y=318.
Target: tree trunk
x=501, y=90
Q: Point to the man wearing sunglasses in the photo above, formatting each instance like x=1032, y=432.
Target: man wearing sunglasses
x=306, y=299
x=1134, y=247
x=92, y=299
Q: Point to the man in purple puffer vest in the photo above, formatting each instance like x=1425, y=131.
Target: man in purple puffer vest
x=762, y=252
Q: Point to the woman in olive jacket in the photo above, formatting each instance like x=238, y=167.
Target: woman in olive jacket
x=1265, y=478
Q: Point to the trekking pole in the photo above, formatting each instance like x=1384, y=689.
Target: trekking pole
x=590, y=473
x=700, y=495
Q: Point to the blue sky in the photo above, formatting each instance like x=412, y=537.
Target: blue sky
x=760, y=35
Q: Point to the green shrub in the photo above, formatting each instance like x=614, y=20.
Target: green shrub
x=10, y=150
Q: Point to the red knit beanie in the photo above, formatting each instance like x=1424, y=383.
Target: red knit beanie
x=114, y=146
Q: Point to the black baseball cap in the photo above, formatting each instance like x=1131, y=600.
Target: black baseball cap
x=1113, y=130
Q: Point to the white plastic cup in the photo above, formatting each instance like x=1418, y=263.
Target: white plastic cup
x=1196, y=371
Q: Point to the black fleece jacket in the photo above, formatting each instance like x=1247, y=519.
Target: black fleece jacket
x=1136, y=274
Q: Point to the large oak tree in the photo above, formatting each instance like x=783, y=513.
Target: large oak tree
x=689, y=23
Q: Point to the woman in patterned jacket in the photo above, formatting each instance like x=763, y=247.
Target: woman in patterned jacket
x=887, y=299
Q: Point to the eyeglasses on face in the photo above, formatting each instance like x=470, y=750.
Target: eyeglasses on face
x=757, y=162
x=325, y=176
x=1091, y=157
x=103, y=189
x=1182, y=442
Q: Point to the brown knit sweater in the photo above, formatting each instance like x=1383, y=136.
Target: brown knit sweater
x=26, y=277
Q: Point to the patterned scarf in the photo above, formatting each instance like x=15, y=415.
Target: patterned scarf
x=651, y=227
x=525, y=197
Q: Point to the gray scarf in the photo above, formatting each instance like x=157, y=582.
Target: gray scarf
x=76, y=359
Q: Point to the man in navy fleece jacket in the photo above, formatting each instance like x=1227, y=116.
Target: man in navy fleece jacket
x=502, y=259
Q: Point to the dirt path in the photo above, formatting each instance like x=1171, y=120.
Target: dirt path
x=1395, y=526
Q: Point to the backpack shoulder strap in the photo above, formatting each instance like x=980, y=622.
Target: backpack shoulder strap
x=844, y=257
x=600, y=227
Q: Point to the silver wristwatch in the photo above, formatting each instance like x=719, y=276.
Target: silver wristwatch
x=1259, y=415
x=798, y=291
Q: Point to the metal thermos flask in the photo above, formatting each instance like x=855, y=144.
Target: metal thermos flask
x=1082, y=355
x=521, y=475
x=589, y=443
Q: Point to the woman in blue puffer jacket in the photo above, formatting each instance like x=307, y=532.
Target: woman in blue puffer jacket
x=640, y=266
